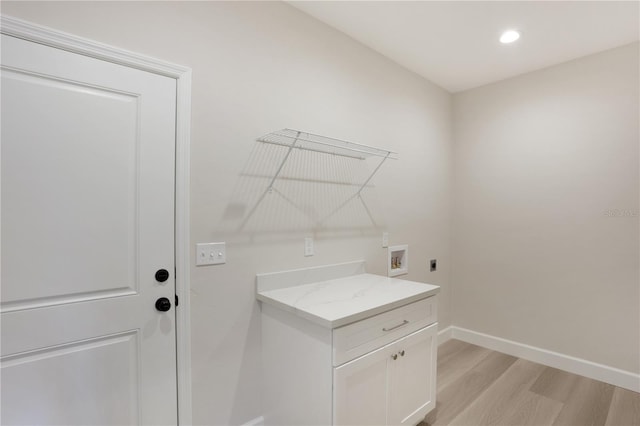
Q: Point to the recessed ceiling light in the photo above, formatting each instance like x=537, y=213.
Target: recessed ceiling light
x=509, y=36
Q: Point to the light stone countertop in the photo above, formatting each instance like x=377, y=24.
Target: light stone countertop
x=337, y=302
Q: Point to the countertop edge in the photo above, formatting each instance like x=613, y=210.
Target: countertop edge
x=340, y=322
x=383, y=308
x=288, y=308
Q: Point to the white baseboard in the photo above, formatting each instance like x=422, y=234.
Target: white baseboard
x=258, y=421
x=582, y=367
x=444, y=335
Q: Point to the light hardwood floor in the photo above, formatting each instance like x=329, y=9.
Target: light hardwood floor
x=478, y=386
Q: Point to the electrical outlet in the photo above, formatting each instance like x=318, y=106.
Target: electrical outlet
x=308, y=246
x=433, y=265
x=385, y=239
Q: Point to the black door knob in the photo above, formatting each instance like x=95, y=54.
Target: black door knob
x=163, y=304
x=162, y=275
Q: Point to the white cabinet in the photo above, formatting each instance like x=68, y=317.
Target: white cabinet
x=393, y=385
x=380, y=370
x=412, y=377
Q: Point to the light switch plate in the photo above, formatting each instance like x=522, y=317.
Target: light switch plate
x=211, y=254
x=308, y=246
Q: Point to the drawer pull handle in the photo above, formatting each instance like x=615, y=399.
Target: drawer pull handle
x=405, y=322
x=401, y=352
x=394, y=356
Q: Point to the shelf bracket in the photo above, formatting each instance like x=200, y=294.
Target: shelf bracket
x=284, y=160
x=269, y=189
x=373, y=173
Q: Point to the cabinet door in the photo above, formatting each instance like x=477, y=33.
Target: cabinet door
x=412, y=377
x=360, y=389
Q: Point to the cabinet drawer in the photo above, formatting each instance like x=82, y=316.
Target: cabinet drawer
x=354, y=340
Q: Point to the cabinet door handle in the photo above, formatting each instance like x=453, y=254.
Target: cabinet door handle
x=401, y=352
x=394, y=356
x=405, y=322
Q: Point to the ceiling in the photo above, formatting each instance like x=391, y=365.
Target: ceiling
x=455, y=44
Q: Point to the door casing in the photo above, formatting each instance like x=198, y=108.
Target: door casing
x=58, y=39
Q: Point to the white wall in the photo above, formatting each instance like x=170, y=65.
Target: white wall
x=259, y=67
x=539, y=161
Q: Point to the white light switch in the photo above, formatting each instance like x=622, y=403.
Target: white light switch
x=308, y=246
x=385, y=239
x=211, y=254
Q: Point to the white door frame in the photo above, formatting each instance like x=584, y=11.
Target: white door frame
x=58, y=39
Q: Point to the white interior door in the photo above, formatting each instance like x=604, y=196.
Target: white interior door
x=87, y=216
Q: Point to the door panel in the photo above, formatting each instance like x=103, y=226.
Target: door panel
x=413, y=377
x=44, y=375
x=76, y=170
x=360, y=390
x=87, y=176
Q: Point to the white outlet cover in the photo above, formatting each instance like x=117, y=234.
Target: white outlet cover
x=308, y=246
x=211, y=254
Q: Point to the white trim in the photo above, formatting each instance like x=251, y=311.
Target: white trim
x=582, y=367
x=258, y=421
x=61, y=40
x=444, y=335
x=183, y=246
x=51, y=37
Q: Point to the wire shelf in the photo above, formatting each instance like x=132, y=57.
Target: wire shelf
x=311, y=142
x=289, y=171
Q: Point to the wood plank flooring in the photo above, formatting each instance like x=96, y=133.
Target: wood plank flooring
x=478, y=386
